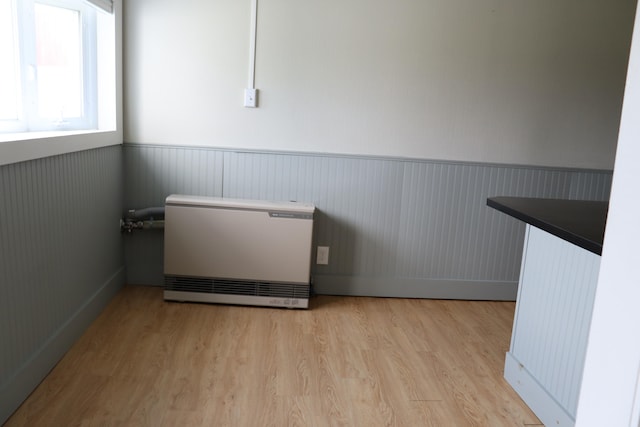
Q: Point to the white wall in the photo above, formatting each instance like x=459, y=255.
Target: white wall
x=610, y=393
x=536, y=82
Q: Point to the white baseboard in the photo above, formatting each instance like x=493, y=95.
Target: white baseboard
x=534, y=395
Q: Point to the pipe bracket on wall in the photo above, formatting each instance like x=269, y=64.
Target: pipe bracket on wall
x=143, y=219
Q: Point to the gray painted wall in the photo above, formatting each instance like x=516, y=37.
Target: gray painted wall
x=60, y=260
x=395, y=227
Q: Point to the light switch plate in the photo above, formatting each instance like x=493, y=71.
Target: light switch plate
x=251, y=98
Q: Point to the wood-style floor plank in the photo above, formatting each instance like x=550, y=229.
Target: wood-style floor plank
x=347, y=361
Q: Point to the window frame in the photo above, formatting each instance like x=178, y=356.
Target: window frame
x=28, y=116
x=24, y=146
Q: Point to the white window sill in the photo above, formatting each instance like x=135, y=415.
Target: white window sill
x=20, y=147
x=22, y=136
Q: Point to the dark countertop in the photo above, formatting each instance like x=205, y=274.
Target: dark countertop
x=577, y=221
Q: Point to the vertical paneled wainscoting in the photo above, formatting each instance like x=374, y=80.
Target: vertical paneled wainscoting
x=551, y=326
x=395, y=227
x=61, y=260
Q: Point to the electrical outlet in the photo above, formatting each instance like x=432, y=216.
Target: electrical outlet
x=322, y=256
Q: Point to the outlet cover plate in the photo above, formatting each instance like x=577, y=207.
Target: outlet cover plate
x=322, y=256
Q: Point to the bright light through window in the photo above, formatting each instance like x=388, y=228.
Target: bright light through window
x=49, y=65
x=59, y=77
x=9, y=70
x=58, y=62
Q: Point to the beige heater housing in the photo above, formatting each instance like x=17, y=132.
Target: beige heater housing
x=236, y=251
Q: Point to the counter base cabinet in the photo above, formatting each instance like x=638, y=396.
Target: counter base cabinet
x=553, y=313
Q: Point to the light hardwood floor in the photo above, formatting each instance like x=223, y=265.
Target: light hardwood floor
x=345, y=361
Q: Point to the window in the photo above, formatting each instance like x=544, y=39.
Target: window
x=49, y=72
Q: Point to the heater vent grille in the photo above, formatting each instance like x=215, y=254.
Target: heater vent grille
x=236, y=287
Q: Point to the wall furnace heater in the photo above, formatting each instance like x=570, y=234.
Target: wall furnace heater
x=235, y=251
